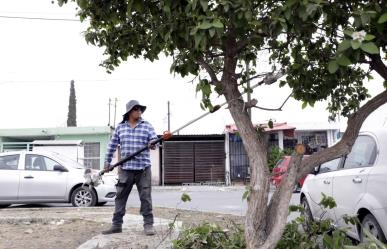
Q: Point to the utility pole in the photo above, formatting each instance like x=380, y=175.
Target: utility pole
x=110, y=100
x=248, y=88
x=115, y=111
x=169, y=118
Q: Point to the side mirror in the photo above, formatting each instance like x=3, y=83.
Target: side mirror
x=60, y=168
x=316, y=170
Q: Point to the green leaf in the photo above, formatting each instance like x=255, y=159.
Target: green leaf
x=385, y=84
x=194, y=2
x=197, y=38
x=270, y=124
x=217, y=24
x=212, y=32
x=348, y=32
x=370, y=48
x=355, y=44
x=304, y=105
x=333, y=66
x=343, y=61
x=246, y=193
x=193, y=31
x=369, y=37
x=185, y=197
x=205, y=25
x=344, y=45
x=383, y=18
x=204, y=4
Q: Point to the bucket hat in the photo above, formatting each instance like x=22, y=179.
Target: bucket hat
x=129, y=106
x=133, y=103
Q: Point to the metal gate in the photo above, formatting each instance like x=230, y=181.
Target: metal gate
x=193, y=161
x=239, y=161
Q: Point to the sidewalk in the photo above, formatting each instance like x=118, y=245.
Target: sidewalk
x=57, y=218
x=133, y=235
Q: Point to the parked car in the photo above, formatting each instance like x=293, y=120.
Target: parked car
x=357, y=183
x=43, y=177
x=279, y=171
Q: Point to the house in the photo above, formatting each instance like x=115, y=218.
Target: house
x=93, y=141
x=282, y=135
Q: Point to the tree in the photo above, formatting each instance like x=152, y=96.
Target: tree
x=325, y=48
x=72, y=114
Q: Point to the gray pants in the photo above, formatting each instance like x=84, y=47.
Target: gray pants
x=126, y=179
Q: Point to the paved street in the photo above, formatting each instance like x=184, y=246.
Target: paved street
x=227, y=200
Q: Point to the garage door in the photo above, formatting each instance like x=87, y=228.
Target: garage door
x=194, y=161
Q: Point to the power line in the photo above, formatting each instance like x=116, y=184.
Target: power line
x=40, y=18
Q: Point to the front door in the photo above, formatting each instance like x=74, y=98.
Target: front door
x=322, y=183
x=349, y=183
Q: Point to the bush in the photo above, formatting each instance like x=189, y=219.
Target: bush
x=210, y=236
x=275, y=154
x=319, y=234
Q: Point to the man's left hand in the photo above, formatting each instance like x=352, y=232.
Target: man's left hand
x=151, y=146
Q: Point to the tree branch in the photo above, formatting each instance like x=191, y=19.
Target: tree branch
x=209, y=70
x=343, y=147
x=378, y=65
x=252, y=78
x=274, y=109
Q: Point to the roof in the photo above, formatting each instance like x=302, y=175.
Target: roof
x=35, y=132
x=57, y=142
x=232, y=128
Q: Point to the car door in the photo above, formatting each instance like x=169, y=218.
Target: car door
x=349, y=183
x=322, y=183
x=39, y=181
x=9, y=177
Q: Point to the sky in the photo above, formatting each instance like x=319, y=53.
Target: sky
x=39, y=58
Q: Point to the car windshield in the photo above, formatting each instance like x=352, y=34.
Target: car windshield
x=279, y=163
x=69, y=162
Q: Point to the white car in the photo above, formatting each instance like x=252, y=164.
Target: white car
x=43, y=177
x=357, y=183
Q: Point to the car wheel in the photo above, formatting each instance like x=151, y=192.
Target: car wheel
x=101, y=203
x=307, y=213
x=4, y=205
x=370, y=224
x=83, y=197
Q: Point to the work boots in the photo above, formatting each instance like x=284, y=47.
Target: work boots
x=113, y=229
x=149, y=230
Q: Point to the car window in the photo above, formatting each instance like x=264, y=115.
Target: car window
x=329, y=166
x=39, y=162
x=363, y=153
x=9, y=162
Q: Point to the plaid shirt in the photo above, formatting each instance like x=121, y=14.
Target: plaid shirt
x=131, y=140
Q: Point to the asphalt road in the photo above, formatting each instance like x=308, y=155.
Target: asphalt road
x=226, y=200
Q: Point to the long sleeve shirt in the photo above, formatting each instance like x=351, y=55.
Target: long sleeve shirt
x=130, y=140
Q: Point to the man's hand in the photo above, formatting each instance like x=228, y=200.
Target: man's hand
x=151, y=146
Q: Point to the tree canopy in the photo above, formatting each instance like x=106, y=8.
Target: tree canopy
x=321, y=49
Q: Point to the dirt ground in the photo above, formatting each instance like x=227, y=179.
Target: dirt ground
x=68, y=228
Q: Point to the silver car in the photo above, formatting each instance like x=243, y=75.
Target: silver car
x=31, y=177
x=357, y=183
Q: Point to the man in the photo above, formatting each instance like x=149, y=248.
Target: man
x=132, y=134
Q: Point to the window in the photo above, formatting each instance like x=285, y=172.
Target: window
x=9, y=162
x=40, y=163
x=329, y=166
x=363, y=153
x=92, y=155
